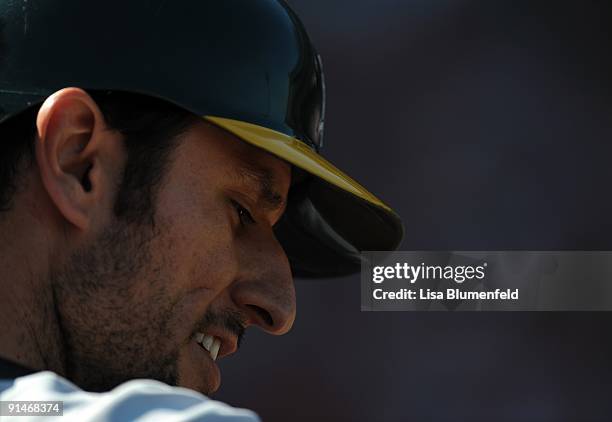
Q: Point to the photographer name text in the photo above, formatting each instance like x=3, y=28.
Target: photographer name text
x=448, y=294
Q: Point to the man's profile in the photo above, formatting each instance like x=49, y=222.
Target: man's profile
x=160, y=187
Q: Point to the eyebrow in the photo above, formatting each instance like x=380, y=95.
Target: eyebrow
x=264, y=179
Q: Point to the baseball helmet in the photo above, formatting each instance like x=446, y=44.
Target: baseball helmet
x=246, y=66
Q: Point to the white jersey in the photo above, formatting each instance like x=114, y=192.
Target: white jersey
x=137, y=400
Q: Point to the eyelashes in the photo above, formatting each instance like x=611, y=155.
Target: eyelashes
x=244, y=215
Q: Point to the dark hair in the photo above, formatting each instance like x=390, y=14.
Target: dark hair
x=150, y=127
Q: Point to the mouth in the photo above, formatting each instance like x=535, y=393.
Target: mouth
x=216, y=342
x=209, y=343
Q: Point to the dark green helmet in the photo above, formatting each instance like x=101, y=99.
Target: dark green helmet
x=245, y=65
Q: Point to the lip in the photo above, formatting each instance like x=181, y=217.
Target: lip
x=229, y=342
x=214, y=374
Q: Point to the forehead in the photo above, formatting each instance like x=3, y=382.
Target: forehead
x=225, y=154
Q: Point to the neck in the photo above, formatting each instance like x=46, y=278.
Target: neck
x=30, y=332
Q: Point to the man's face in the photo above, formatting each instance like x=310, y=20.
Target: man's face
x=134, y=301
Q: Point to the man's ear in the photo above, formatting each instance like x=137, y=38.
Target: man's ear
x=78, y=157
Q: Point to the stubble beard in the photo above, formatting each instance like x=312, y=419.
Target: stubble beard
x=111, y=332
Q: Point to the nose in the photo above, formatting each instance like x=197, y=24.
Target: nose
x=264, y=289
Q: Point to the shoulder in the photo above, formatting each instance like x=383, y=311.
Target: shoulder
x=145, y=400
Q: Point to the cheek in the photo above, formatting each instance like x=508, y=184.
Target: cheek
x=196, y=235
x=195, y=258
x=199, y=243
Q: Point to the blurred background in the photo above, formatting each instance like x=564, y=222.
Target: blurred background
x=486, y=125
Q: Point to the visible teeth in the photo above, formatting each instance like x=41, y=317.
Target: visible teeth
x=214, y=350
x=207, y=342
x=210, y=343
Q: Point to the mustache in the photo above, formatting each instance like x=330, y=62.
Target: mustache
x=228, y=319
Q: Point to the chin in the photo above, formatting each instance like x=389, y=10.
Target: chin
x=196, y=371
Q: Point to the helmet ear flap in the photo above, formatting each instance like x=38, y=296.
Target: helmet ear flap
x=306, y=105
x=311, y=244
x=324, y=229
x=322, y=92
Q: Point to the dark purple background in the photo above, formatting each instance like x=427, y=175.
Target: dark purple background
x=487, y=125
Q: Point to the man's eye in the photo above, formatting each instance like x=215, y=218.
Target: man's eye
x=243, y=214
